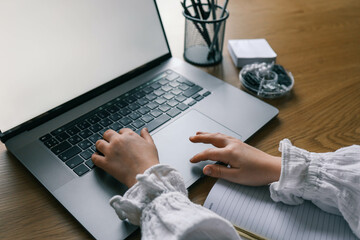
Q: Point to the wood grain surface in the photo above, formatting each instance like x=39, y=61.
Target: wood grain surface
x=318, y=41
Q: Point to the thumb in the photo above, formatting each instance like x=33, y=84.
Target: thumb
x=218, y=171
x=146, y=135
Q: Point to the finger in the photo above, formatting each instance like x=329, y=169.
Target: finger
x=199, y=133
x=219, y=171
x=98, y=160
x=216, y=139
x=101, y=145
x=125, y=130
x=109, y=134
x=146, y=135
x=214, y=154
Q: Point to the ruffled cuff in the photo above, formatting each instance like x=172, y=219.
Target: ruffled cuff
x=155, y=181
x=294, y=174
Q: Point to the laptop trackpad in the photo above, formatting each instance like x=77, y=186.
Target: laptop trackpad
x=175, y=148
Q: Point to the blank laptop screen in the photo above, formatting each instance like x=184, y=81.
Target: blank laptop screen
x=52, y=51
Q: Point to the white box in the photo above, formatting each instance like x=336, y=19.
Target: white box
x=247, y=51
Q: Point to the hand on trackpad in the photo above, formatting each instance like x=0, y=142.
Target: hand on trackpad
x=175, y=148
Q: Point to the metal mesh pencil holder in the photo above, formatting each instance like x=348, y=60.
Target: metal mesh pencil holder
x=204, y=37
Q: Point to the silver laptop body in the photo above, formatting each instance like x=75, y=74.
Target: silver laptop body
x=63, y=59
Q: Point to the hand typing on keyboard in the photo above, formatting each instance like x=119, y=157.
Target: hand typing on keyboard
x=121, y=156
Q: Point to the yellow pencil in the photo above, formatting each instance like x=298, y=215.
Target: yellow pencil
x=247, y=234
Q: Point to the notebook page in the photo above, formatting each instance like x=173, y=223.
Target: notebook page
x=252, y=209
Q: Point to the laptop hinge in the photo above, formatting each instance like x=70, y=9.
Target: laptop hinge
x=1, y=136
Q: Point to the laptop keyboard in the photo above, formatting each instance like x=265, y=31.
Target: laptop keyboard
x=150, y=105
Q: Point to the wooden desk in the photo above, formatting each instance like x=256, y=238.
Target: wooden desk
x=318, y=41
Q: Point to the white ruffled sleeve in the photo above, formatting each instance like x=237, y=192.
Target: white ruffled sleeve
x=158, y=202
x=330, y=180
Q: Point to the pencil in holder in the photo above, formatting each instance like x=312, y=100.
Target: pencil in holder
x=204, y=34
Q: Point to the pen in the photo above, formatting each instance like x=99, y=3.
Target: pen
x=205, y=34
x=213, y=10
x=217, y=31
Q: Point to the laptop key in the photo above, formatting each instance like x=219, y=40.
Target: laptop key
x=152, y=105
x=187, y=82
x=191, y=91
x=164, y=107
x=160, y=100
x=144, y=110
x=102, y=131
x=134, y=115
x=193, y=102
x=157, y=122
x=143, y=101
x=69, y=153
x=112, y=109
x=174, y=112
x=58, y=131
x=83, y=125
x=125, y=121
x=51, y=143
x=85, y=144
x=184, y=87
x=147, y=118
x=121, y=104
x=90, y=164
x=73, y=130
x=62, y=136
x=150, y=96
x=93, y=119
x=198, y=98
x=75, y=139
x=155, y=85
x=81, y=170
x=106, y=122
x=138, y=123
x=156, y=112
x=148, y=90
x=172, y=103
x=206, y=94
x=172, y=76
x=182, y=106
x=124, y=111
x=45, y=138
x=195, y=95
x=61, y=147
x=85, y=133
x=116, y=126
x=176, y=91
x=115, y=116
x=130, y=99
x=166, y=88
x=159, y=92
x=134, y=106
x=163, y=81
x=174, y=84
x=168, y=96
x=139, y=94
x=180, y=98
x=103, y=114
x=94, y=138
x=74, y=161
x=86, y=154
x=96, y=127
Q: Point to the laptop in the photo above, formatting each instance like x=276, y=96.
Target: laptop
x=70, y=70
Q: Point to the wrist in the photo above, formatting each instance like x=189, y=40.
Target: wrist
x=274, y=169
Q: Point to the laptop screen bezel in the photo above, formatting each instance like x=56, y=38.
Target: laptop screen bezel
x=54, y=112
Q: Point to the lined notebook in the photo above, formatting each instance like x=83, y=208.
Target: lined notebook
x=252, y=209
